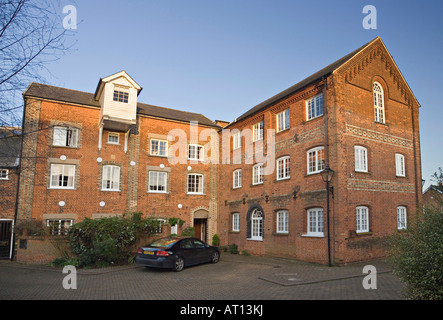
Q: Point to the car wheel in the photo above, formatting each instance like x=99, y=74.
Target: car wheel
x=215, y=256
x=179, y=264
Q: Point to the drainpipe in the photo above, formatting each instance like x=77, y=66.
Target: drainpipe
x=18, y=172
x=325, y=87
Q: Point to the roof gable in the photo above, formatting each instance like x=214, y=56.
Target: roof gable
x=376, y=49
x=338, y=66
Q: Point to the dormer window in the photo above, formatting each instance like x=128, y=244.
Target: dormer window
x=121, y=94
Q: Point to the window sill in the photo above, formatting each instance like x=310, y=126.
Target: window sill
x=282, y=179
x=257, y=184
x=158, y=192
x=283, y=130
x=110, y=190
x=364, y=233
x=252, y=239
x=312, y=173
x=59, y=188
x=313, y=235
x=68, y=147
x=195, y=194
x=309, y=120
x=280, y=234
x=158, y=155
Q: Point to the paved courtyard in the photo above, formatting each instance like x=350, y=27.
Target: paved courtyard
x=235, y=277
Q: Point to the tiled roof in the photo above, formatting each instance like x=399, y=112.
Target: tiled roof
x=300, y=85
x=43, y=91
x=10, y=143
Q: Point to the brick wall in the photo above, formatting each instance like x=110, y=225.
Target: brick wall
x=349, y=123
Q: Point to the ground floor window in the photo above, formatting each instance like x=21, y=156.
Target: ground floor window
x=256, y=225
x=362, y=218
x=236, y=221
x=315, y=222
x=401, y=218
x=59, y=227
x=282, y=221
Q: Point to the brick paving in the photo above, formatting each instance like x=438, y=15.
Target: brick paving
x=235, y=277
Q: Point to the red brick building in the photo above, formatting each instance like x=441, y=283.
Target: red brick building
x=9, y=163
x=358, y=117
x=256, y=181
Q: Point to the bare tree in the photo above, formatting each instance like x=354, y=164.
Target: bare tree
x=31, y=36
x=437, y=178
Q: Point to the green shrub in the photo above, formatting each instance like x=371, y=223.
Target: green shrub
x=188, y=232
x=108, y=240
x=417, y=257
x=233, y=248
x=215, y=240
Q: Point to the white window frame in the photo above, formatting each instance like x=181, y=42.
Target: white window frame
x=315, y=222
x=113, y=135
x=319, y=163
x=158, y=180
x=237, y=179
x=236, y=140
x=283, y=120
x=314, y=107
x=257, y=174
x=111, y=174
x=64, y=172
x=59, y=227
x=236, y=222
x=283, y=168
x=198, y=187
x=157, y=150
x=197, y=153
x=379, y=103
x=257, y=131
x=65, y=137
x=256, y=225
x=400, y=168
x=120, y=94
x=402, y=215
x=4, y=174
x=282, y=220
x=361, y=159
x=362, y=219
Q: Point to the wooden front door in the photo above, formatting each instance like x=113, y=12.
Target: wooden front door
x=200, y=229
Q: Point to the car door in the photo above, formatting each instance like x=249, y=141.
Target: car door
x=187, y=251
x=201, y=252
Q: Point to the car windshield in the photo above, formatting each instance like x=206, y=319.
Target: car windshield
x=165, y=242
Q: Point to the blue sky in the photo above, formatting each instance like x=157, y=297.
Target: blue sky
x=221, y=58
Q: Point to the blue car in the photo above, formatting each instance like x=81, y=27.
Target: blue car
x=176, y=253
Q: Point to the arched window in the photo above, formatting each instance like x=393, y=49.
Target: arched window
x=362, y=219
x=379, y=103
x=256, y=225
x=401, y=218
x=361, y=158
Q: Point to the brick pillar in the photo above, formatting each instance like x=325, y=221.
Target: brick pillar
x=133, y=167
x=30, y=131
